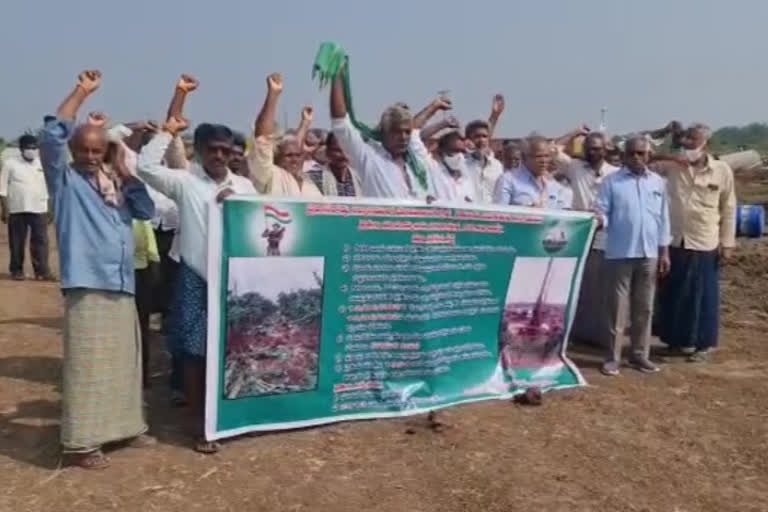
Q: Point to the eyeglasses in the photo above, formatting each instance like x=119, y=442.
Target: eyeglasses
x=224, y=150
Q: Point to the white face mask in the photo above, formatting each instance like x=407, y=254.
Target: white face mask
x=29, y=154
x=694, y=155
x=454, y=162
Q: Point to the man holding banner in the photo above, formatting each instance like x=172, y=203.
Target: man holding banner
x=193, y=192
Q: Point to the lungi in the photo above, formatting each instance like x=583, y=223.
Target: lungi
x=189, y=317
x=689, y=300
x=590, y=320
x=102, y=392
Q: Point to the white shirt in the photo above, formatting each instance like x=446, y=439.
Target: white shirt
x=166, y=213
x=381, y=176
x=585, y=183
x=450, y=188
x=23, y=184
x=486, y=173
x=193, y=192
x=270, y=178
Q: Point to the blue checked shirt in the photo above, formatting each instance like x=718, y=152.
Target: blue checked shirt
x=635, y=211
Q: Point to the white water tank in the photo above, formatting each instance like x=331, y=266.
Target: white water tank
x=743, y=160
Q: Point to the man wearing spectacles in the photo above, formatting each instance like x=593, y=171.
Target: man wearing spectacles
x=633, y=207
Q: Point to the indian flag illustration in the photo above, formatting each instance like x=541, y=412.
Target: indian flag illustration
x=276, y=215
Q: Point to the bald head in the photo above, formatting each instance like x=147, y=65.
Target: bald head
x=88, y=146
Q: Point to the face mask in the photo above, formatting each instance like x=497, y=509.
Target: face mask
x=29, y=154
x=455, y=162
x=694, y=155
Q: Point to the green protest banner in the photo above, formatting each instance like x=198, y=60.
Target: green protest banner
x=351, y=309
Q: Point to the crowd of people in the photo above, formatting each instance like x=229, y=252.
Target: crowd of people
x=129, y=203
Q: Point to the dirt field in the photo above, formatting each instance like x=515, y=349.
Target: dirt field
x=691, y=439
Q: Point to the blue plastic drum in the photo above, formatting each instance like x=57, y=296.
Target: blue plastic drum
x=750, y=220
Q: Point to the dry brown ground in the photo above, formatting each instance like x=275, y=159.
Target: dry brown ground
x=692, y=439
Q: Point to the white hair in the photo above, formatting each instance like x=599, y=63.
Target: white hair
x=701, y=128
x=394, y=116
x=527, y=144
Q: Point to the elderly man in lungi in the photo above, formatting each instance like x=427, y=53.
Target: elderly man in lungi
x=94, y=208
x=702, y=207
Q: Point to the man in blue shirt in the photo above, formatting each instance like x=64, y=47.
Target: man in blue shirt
x=531, y=184
x=94, y=208
x=633, y=208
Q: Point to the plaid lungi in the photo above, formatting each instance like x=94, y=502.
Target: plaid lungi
x=102, y=391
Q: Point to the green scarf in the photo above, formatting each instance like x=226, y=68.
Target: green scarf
x=331, y=60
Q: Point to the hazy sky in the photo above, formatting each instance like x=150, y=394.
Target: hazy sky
x=557, y=61
x=275, y=275
x=528, y=276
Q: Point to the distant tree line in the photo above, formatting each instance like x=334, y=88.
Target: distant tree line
x=734, y=138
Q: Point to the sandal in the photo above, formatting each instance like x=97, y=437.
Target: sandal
x=141, y=442
x=91, y=460
x=207, y=447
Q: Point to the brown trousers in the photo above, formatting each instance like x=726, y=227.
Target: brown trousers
x=631, y=285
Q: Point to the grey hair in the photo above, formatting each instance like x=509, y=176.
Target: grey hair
x=701, y=128
x=394, y=116
x=282, y=141
x=634, y=140
x=532, y=140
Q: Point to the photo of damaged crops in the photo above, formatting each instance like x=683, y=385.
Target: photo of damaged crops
x=274, y=309
x=533, y=325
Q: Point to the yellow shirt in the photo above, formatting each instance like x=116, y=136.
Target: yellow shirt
x=269, y=178
x=702, y=205
x=145, y=244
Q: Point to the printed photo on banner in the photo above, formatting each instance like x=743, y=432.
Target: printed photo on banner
x=534, y=323
x=276, y=233
x=273, y=314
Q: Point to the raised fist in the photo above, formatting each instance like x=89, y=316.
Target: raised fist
x=89, y=80
x=307, y=114
x=497, y=107
x=443, y=103
x=275, y=82
x=97, y=119
x=187, y=83
x=452, y=122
